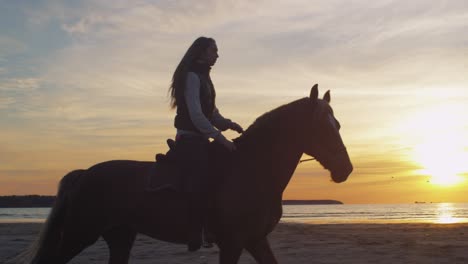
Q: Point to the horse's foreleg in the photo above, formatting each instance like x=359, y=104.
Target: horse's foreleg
x=120, y=241
x=261, y=251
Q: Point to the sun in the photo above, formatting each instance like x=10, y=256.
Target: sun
x=439, y=142
x=441, y=160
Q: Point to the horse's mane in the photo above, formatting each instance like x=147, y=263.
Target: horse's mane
x=282, y=116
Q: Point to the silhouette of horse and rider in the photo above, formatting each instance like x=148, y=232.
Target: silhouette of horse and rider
x=112, y=200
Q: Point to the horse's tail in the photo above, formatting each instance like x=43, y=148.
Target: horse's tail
x=49, y=238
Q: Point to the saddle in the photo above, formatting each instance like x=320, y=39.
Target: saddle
x=164, y=173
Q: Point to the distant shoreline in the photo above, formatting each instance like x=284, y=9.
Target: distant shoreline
x=26, y=201
x=34, y=201
x=310, y=202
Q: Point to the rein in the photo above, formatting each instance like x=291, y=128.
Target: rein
x=317, y=113
x=304, y=160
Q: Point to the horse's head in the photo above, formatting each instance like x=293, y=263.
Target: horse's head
x=324, y=140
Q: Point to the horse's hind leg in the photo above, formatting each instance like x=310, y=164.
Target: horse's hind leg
x=72, y=245
x=120, y=241
x=261, y=251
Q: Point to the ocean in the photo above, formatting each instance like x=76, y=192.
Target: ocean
x=443, y=213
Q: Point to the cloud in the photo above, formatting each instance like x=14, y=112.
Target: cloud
x=46, y=13
x=99, y=78
x=19, y=84
x=129, y=49
x=268, y=45
x=125, y=53
x=10, y=46
x=17, y=93
x=362, y=42
x=6, y=102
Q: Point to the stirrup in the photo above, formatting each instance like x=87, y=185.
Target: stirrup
x=205, y=242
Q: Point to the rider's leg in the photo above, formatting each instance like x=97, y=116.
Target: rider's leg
x=194, y=154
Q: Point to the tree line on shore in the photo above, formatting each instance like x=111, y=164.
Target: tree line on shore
x=24, y=201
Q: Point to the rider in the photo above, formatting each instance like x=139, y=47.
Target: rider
x=197, y=120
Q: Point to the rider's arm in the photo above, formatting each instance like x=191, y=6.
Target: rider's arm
x=219, y=121
x=192, y=99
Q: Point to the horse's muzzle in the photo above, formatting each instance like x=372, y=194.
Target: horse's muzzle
x=342, y=169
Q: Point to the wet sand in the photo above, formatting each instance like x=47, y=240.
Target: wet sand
x=292, y=243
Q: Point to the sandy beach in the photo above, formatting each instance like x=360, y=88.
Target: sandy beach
x=292, y=243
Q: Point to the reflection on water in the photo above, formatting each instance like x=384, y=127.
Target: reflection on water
x=438, y=213
x=446, y=214
x=23, y=215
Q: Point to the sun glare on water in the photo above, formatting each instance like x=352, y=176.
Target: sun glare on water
x=439, y=145
x=445, y=214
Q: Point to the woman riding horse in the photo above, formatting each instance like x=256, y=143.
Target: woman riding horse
x=193, y=94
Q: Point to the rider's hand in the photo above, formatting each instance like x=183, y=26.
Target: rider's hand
x=225, y=142
x=236, y=127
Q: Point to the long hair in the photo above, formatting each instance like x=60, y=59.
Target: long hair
x=193, y=53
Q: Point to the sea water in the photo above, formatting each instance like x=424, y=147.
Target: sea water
x=328, y=214
x=23, y=215
x=378, y=213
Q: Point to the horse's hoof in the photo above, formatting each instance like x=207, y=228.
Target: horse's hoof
x=192, y=247
x=207, y=244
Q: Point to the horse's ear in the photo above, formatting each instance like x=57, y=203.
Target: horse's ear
x=327, y=97
x=314, y=92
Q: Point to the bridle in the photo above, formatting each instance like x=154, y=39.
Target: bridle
x=317, y=113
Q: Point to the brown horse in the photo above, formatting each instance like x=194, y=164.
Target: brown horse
x=109, y=199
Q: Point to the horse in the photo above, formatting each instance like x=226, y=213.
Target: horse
x=109, y=200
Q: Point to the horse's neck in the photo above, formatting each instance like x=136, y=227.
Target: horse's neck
x=273, y=148
x=276, y=162
x=284, y=164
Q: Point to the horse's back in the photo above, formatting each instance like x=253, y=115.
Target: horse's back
x=116, y=167
x=109, y=189
x=122, y=189
x=118, y=176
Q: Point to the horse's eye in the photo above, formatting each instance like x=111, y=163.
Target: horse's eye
x=333, y=122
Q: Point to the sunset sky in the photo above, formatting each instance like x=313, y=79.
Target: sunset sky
x=83, y=82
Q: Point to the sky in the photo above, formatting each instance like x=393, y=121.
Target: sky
x=83, y=82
